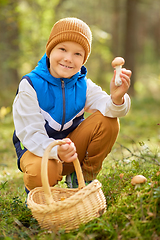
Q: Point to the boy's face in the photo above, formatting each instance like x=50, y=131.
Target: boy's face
x=66, y=59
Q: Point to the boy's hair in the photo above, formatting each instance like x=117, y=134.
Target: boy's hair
x=70, y=29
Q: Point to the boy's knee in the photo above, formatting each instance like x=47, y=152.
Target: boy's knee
x=31, y=166
x=109, y=125
x=113, y=125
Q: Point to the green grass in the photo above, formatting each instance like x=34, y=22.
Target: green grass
x=131, y=213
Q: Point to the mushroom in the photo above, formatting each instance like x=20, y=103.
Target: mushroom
x=117, y=63
x=121, y=175
x=137, y=180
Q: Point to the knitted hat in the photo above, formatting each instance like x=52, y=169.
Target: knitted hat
x=70, y=29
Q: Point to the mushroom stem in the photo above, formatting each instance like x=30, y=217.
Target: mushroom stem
x=137, y=186
x=117, y=63
x=118, y=81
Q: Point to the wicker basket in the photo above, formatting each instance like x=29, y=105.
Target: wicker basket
x=56, y=208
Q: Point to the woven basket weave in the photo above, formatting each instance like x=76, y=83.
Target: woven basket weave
x=56, y=208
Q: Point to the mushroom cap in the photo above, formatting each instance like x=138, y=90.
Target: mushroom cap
x=118, y=61
x=138, y=179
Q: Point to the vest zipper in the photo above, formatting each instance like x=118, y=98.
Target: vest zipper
x=64, y=109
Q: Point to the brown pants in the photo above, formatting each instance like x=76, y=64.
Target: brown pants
x=93, y=138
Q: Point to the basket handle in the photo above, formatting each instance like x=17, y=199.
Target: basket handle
x=44, y=170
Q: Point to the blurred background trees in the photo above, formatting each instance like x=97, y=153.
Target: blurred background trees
x=127, y=28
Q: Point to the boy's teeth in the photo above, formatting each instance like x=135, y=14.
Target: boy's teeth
x=66, y=66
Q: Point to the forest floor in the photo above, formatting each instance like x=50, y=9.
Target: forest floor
x=131, y=213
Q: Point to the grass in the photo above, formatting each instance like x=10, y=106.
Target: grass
x=131, y=213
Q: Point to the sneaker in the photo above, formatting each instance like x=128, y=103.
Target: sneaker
x=72, y=182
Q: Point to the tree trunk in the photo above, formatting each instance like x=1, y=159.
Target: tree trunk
x=156, y=36
x=131, y=40
x=9, y=45
x=115, y=28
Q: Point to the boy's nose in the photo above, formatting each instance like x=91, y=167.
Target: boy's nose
x=68, y=57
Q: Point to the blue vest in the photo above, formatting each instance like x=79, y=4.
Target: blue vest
x=61, y=101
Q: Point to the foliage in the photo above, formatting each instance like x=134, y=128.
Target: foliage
x=26, y=26
x=36, y=19
x=131, y=213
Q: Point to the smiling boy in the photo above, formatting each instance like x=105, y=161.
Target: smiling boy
x=66, y=59
x=50, y=104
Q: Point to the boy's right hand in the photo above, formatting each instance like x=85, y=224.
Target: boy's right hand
x=67, y=152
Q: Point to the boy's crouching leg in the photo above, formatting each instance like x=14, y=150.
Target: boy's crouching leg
x=94, y=139
x=31, y=167
x=103, y=138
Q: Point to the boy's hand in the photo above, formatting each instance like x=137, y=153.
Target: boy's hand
x=67, y=152
x=117, y=93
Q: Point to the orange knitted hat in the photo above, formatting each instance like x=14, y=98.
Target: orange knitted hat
x=70, y=29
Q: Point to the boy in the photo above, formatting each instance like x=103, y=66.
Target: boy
x=50, y=104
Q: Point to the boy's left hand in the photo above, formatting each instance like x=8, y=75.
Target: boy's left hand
x=117, y=93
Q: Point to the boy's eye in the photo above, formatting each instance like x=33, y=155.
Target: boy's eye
x=63, y=49
x=78, y=54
